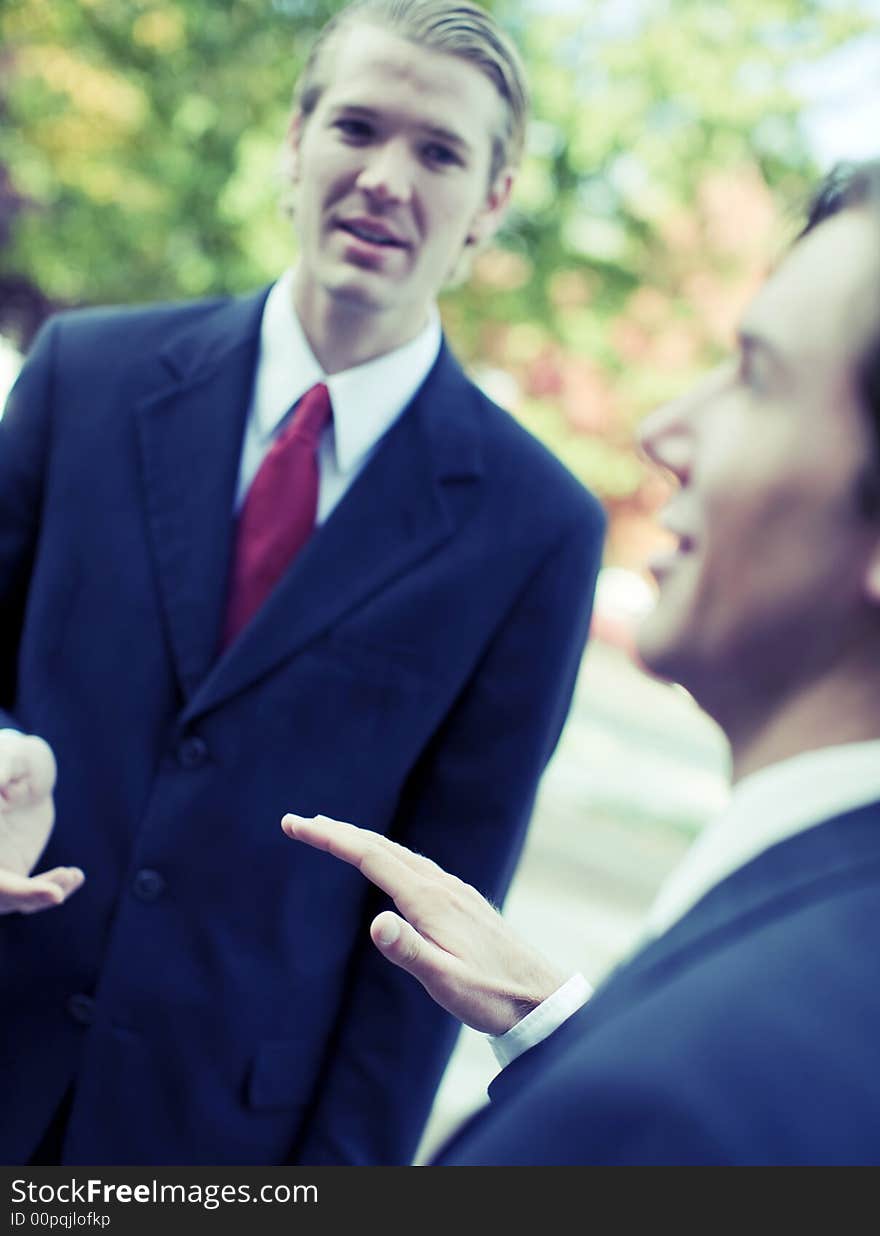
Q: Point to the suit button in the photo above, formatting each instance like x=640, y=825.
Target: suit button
x=81, y=1008
x=148, y=885
x=192, y=751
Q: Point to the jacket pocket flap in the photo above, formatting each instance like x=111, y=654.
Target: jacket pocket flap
x=280, y=1076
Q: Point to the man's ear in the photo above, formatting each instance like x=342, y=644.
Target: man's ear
x=489, y=217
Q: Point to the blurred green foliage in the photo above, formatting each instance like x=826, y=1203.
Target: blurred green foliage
x=144, y=139
x=140, y=160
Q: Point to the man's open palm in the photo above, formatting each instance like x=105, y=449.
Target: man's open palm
x=27, y=812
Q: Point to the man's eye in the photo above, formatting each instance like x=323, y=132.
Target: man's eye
x=436, y=152
x=354, y=130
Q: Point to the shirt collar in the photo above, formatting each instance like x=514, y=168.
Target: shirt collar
x=366, y=399
x=765, y=808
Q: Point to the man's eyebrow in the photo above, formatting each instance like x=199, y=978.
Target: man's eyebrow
x=431, y=130
x=446, y=135
x=354, y=109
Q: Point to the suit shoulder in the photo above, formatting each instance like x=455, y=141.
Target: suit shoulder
x=521, y=459
x=802, y=960
x=102, y=323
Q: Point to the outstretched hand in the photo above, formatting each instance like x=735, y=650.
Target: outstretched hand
x=27, y=812
x=447, y=936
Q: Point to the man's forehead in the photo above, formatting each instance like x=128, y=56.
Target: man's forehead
x=362, y=50
x=824, y=297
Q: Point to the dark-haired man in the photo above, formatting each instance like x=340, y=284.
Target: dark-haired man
x=746, y=1030
x=270, y=551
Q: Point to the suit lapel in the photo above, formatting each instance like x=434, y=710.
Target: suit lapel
x=190, y=430
x=409, y=499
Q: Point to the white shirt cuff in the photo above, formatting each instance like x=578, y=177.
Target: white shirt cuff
x=542, y=1021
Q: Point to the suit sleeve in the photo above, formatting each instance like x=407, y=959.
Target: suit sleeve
x=24, y=435
x=467, y=806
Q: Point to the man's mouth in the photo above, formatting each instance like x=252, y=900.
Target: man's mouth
x=676, y=521
x=372, y=233
x=679, y=545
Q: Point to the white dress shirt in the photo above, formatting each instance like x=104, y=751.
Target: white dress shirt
x=764, y=808
x=366, y=399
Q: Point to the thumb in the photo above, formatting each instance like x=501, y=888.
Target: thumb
x=397, y=940
x=67, y=879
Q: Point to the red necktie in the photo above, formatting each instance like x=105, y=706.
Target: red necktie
x=278, y=513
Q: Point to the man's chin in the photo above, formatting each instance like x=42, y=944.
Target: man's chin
x=657, y=653
x=358, y=286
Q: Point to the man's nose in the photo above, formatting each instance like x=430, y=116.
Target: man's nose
x=387, y=174
x=668, y=436
x=665, y=437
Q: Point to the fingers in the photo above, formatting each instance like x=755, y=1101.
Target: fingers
x=388, y=865
x=373, y=855
x=350, y=843
x=333, y=836
x=67, y=879
x=392, y=868
x=29, y=895
x=412, y=882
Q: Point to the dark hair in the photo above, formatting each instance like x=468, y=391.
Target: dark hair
x=456, y=27
x=848, y=186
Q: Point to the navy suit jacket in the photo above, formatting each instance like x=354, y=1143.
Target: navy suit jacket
x=749, y=1033
x=211, y=993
